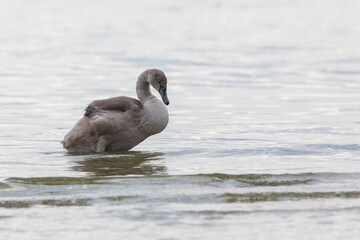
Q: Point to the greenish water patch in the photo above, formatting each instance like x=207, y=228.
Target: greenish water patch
x=266, y=179
x=47, y=202
x=60, y=180
x=119, y=198
x=4, y=185
x=284, y=196
x=216, y=213
x=248, y=179
x=223, y=176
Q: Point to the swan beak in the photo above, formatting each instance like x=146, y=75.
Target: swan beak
x=162, y=91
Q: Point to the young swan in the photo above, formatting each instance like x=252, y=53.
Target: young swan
x=120, y=123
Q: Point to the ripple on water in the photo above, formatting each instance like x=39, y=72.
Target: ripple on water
x=287, y=196
x=199, y=188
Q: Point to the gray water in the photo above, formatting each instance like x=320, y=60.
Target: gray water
x=264, y=134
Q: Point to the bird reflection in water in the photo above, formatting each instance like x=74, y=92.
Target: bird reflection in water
x=129, y=163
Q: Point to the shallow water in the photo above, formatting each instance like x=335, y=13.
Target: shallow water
x=264, y=133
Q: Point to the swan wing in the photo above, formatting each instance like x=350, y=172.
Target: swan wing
x=117, y=105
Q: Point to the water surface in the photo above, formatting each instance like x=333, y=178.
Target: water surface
x=264, y=133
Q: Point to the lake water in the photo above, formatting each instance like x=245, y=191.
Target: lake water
x=264, y=134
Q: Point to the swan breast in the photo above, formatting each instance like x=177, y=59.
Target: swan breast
x=156, y=116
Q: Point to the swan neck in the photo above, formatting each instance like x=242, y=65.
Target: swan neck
x=143, y=87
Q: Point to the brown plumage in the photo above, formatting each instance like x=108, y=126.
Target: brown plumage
x=120, y=123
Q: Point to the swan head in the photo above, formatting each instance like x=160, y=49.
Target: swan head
x=158, y=80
